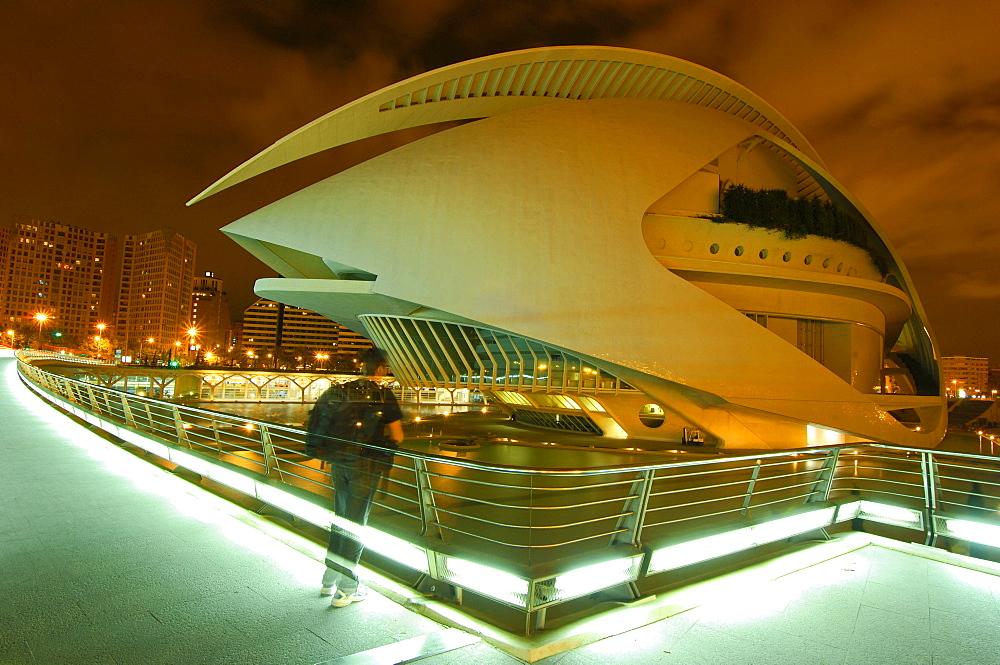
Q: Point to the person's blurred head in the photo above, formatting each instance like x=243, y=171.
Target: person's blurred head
x=373, y=363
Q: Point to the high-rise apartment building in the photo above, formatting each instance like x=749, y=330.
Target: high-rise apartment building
x=157, y=277
x=67, y=273
x=210, y=312
x=963, y=374
x=273, y=326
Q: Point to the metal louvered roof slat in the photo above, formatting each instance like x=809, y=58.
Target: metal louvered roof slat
x=630, y=72
x=464, y=86
x=545, y=78
x=572, y=75
x=709, y=96
x=478, y=83
x=681, y=89
x=607, y=78
x=506, y=80
x=517, y=85
x=698, y=97
x=490, y=82
x=583, y=78
x=664, y=84
x=654, y=79
x=558, y=76
x=688, y=96
x=594, y=79
x=530, y=88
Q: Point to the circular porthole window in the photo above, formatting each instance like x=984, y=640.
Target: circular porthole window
x=762, y=254
x=738, y=251
x=840, y=267
x=826, y=263
x=808, y=260
x=786, y=257
x=651, y=415
x=714, y=248
x=687, y=245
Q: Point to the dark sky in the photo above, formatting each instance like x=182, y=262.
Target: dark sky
x=114, y=113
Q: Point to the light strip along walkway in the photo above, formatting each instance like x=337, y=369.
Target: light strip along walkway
x=105, y=559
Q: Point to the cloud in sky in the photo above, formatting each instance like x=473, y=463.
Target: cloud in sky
x=117, y=112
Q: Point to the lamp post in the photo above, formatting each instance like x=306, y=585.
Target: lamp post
x=322, y=357
x=100, y=336
x=191, y=333
x=41, y=317
x=148, y=340
x=10, y=333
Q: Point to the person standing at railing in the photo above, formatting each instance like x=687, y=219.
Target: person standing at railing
x=355, y=427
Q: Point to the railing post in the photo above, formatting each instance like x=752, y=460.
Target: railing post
x=928, y=472
x=93, y=401
x=426, y=503
x=750, y=486
x=270, y=459
x=182, y=437
x=634, y=511
x=127, y=412
x=215, y=433
x=820, y=491
x=149, y=417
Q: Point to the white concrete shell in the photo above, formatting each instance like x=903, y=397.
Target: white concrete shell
x=567, y=215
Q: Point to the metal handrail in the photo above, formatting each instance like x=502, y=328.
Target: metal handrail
x=535, y=518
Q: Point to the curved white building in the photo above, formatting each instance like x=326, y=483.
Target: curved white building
x=549, y=247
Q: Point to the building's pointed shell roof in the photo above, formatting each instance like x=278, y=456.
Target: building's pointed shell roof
x=496, y=84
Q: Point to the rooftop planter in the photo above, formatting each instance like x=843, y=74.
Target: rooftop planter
x=797, y=218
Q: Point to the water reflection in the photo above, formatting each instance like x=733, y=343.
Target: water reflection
x=296, y=414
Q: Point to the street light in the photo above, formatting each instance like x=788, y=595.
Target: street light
x=100, y=334
x=10, y=333
x=191, y=333
x=41, y=317
x=322, y=357
x=148, y=340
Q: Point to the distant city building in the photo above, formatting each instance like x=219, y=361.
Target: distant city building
x=65, y=272
x=157, y=277
x=210, y=312
x=965, y=376
x=270, y=326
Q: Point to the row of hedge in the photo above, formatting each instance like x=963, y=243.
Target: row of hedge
x=797, y=218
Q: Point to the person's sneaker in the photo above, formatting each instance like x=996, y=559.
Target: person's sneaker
x=327, y=590
x=341, y=599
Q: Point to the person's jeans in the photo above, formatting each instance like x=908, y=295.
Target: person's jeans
x=355, y=481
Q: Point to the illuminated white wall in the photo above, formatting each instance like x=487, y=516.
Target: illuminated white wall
x=541, y=205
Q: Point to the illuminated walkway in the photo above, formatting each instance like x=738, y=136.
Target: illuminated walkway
x=106, y=559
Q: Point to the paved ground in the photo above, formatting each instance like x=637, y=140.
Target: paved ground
x=106, y=559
